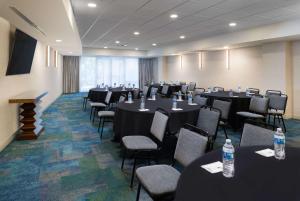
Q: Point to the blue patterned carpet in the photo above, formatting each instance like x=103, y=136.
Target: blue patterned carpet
x=69, y=162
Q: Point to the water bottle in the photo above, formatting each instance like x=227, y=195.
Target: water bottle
x=209, y=90
x=279, y=144
x=106, y=88
x=115, y=85
x=142, y=106
x=153, y=94
x=228, y=159
x=190, y=99
x=239, y=89
x=102, y=85
x=230, y=93
x=129, y=97
x=123, y=88
x=174, y=102
x=133, y=86
x=179, y=95
x=129, y=85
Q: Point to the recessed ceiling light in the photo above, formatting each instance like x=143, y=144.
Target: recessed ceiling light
x=117, y=42
x=125, y=45
x=92, y=5
x=105, y=47
x=136, y=33
x=154, y=44
x=226, y=47
x=232, y=24
x=58, y=41
x=182, y=37
x=173, y=16
x=136, y=48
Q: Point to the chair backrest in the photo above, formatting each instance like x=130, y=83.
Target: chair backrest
x=192, y=86
x=136, y=92
x=254, y=91
x=159, y=125
x=256, y=136
x=122, y=98
x=184, y=88
x=145, y=90
x=200, y=100
x=154, y=89
x=182, y=83
x=218, y=89
x=198, y=91
x=190, y=146
x=165, y=89
x=224, y=106
x=273, y=92
x=278, y=102
x=259, y=104
x=208, y=120
x=108, y=96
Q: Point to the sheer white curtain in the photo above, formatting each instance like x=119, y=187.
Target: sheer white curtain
x=108, y=70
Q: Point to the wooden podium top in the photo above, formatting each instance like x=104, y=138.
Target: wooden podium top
x=28, y=97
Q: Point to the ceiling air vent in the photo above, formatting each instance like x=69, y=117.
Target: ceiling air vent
x=26, y=19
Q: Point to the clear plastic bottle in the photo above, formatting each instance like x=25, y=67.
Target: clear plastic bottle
x=179, y=95
x=142, y=106
x=228, y=159
x=174, y=102
x=129, y=97
x=230, y=93
x=279, y=144
x=153, y=94
x=190, y=99
x=115, y=85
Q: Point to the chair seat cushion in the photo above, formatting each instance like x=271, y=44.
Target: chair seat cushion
x=96, y=104
x=250, y=115
x=279, y=112
x=138, y=143
x=106, y=113
x=158, y=179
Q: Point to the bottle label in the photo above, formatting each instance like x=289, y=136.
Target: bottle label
x=227, y=156
x=279, y=141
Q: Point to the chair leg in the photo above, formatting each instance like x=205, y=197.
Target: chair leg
x=274, y=122
x=225, y=132
x=283, y=123
x=133, y=172
x=269, y=119
x=85, y=104
x=99, y=124
x=138, y=192
x=94, y=114
x=92, y=108
x=123, y=161
x=102, y=128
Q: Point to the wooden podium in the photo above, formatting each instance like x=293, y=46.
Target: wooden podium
x=29, y=114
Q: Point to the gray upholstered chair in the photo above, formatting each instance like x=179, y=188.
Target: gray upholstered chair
x=198, y=91
x=273, y=92
x=256, y=136
x=96, y=106
x=138, y=144
x=218, y=89
x=224, y=107
x=160, y=181
x=191, y=86
x=107, y=116
x=200, y=100
x=208, y=121
x=277, y=107
x=136, y=92
x=145, y=90
x=258, y=108
x=184, y=89
x=165, y=90
x=154, y=90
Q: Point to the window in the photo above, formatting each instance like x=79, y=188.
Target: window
x=108, y=70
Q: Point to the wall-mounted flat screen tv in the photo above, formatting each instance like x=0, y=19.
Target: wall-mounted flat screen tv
x=22, y=54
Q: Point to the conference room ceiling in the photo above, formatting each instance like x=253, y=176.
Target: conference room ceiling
x=117, y=20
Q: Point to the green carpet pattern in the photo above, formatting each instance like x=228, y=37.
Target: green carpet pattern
x=70, y=162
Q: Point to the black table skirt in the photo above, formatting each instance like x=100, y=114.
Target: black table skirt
x=129, y=121
x=240, y=102
x=257, y=178
x=99, y=94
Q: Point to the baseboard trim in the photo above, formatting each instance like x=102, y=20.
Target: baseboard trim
x=7, y=141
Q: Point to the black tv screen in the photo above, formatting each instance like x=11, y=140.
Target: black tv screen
x=22, y=54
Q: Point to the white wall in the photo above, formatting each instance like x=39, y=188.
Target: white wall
x=262, y=67
x=296, y=78
x=41, y=78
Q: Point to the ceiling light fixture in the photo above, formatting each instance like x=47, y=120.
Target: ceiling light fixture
x=58, y=41
x=226, y=47
x=154, y=44
x=182, y=37
x=136, y=48
x=105, y=47
x=136, y=33
x=173, y=16
x=92, y=5
x=232, y=24
x=117, y=42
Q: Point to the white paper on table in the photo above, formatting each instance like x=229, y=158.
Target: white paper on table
x=192, y=104
x=177, y=109
x=266, y=152
x=151, y=99
x=179, y=100
x=214, y=167
x=143, y=110
x=235, y=96
x=129, y=102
